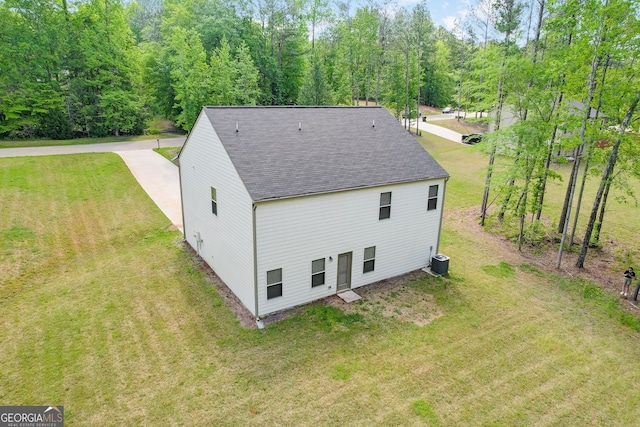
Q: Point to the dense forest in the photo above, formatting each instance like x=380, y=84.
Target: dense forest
x=98, y=67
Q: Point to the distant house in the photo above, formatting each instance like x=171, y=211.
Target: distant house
x=509, y=116
x=291, y=204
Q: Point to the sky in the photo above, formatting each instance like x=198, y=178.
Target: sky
x=443, y=12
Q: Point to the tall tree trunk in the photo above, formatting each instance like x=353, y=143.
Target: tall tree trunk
x=582, y=184
x=566, y=209
x=492, y=155
x=598, y=225
x=606, y=179
x=589, y=154
x=461, y=71
x=406, y=89
x=547, y=165
x=522, y=203
x=418, y=92
x=566, y=206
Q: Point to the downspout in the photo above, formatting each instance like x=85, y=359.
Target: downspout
x=184, y=228
x=444, y=193
x=255, y=266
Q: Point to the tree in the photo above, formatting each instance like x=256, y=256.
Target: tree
x=190, y=76
x=246, y=87
x=508, y=20
x=315, y=88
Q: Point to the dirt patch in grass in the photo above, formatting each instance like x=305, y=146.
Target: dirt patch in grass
x=461, y=126
x=393, y=298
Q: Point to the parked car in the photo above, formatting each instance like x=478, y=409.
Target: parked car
x=447, y=110
x=472, y=138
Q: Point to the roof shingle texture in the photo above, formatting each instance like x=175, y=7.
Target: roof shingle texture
x=282, y=152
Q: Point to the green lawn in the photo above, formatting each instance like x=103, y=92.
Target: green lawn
x=79, y=141
x=104, y=312
x=168, y=153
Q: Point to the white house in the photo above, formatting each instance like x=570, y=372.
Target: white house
x=291, y=204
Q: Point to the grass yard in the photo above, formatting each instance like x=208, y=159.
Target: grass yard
x=79, y=141
x=168, y=153
x=104, y=312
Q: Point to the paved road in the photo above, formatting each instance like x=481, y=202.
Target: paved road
x=156, y=175
x=91, y=148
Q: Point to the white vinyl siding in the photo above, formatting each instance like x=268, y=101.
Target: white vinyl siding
x=227, y=238
x=292, y=232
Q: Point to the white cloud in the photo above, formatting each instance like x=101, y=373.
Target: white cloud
x=449, y=22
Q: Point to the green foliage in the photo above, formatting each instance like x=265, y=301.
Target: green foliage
x=341, y=373
x=315, y=88
x=247, y=76
x=326, y=317
x=424, y=410
x=594, y=295
x=625, y=257
x=55, y=125
x=18, y=233
x=503, y=270
x=101, y=67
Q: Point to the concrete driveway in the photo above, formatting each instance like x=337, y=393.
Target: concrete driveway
x=156, y=175
x=159, y=178
x=109, y=147
x=437, y=130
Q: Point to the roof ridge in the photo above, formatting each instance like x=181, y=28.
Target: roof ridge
x=325, y=107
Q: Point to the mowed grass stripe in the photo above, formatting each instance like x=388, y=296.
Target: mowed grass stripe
x=123, y=329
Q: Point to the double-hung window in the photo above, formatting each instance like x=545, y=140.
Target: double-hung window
x=274, y=283
x=317, y=272
x=369, y=259
x=432, y=203
x=385, y=205
x=214, y=201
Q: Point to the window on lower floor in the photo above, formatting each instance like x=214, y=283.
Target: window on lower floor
x=432, y=203
x=369, y=259
x=385, y=205
x=274, y=283
x=214, y=201
x=317, y=272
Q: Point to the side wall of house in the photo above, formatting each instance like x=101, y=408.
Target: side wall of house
x=292, y=233
x=226, y=239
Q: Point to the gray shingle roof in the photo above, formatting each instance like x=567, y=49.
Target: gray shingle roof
x=336, y=149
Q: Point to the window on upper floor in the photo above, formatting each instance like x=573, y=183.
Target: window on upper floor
x=385, y=205
x=274, y=283
x=214, y=201
x=317, y=272
x=369, y=259
x=432, y=203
